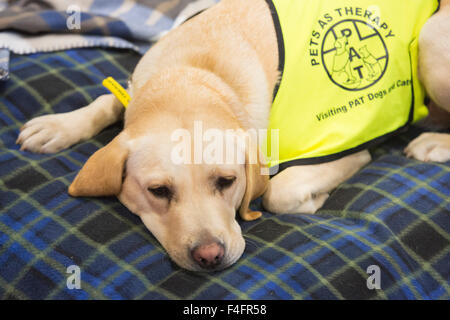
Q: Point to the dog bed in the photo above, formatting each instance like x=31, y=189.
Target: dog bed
x=394, y=215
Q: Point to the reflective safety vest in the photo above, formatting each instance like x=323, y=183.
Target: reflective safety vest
x=348, y=76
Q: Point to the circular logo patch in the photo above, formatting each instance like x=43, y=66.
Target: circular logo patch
x=354, y=54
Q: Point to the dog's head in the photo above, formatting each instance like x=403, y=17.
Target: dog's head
x=189, y=205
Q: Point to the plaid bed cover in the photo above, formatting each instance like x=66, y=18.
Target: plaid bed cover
x=28, y=27
x=394, y=214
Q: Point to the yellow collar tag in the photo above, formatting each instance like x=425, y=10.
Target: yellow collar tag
x=117, y=90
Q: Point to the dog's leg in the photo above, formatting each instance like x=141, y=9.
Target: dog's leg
x=54, y=132
x=430, y=146
x=304, y=189
x=434, y=69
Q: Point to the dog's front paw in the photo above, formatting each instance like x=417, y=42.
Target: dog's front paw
x=49, y=133
x=295, y=190
x=430, y=146
x=293, y=201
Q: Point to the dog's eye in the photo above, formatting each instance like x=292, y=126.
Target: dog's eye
x=161, y=192
x=223, y=183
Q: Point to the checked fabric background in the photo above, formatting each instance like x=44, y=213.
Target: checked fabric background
x=395, y=214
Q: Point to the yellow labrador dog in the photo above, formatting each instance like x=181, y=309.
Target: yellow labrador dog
x=193, y=75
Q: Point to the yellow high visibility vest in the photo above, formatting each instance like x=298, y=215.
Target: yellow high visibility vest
x=348, y=75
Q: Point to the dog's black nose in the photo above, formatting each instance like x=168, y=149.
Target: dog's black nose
x=208, y=256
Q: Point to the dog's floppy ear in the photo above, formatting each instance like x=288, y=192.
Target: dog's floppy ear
x=102, y=174
x=256, y=184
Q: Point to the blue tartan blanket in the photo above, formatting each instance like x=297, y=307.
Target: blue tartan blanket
x=43, y=26
x=394, y=214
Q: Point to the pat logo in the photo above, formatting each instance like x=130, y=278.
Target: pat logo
x=351, y=47
x=354, y=54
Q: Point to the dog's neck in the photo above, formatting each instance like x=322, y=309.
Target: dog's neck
x=251, y=89
x=244, y=97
